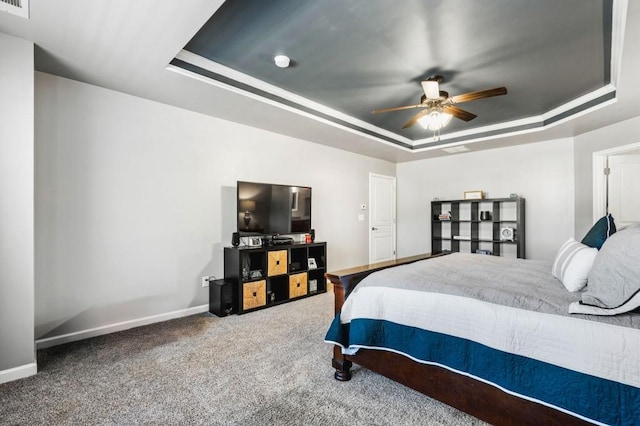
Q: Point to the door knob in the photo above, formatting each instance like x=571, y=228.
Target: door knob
x=373, y=228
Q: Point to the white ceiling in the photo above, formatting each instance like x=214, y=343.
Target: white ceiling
x=127, y=46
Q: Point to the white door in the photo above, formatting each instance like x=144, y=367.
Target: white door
x=624, y=175
x=382, y=218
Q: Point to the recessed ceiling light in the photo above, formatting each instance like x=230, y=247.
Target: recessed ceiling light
x=282, y=61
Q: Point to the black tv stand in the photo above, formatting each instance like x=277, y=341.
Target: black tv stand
x=271, y=275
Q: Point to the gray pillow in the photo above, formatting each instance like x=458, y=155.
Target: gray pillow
x=615, y=276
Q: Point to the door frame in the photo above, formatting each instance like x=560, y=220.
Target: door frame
x=600, y=179
x=395, y=203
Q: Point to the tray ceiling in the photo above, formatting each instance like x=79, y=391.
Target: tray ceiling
x=349, y=57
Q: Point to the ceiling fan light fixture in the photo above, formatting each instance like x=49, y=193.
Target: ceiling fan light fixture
x=435, y=120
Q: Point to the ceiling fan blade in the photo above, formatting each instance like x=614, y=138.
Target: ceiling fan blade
x=378, y=111
x=431, y=89
x=459, y=113
x=414, y=119
x=472, y=96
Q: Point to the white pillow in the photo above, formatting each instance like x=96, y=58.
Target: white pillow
x=573, y=264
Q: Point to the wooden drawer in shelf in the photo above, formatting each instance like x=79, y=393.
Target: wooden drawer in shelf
x=254, y=294
x=277, y=262
x=297, y=285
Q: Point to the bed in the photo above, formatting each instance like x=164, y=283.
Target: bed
x=494, y=337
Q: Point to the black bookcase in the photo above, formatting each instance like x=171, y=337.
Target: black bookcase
x=487, y=226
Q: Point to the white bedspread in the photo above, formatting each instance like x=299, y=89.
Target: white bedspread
x=534, y=323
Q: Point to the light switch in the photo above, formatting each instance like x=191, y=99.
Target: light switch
x=360, y=217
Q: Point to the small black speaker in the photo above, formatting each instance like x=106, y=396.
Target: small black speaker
x=235, y=239
x=313, y=235
x=222, y=300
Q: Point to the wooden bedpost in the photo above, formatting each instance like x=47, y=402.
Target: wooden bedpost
x=339, y=362
x=342, y=365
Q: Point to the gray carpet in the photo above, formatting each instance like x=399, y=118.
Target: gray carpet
x=269, y=367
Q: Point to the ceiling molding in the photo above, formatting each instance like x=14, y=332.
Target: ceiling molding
x=259, y=90
x=195, y=66
x=577, y=108
x=619, y=22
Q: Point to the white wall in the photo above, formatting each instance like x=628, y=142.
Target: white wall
x=620, y=134
x=135, y=200
x=17, y=356
x=542, y=173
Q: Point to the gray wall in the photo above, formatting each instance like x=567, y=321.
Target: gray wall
x=542, y=173
x=136, y=200
x=620, y=134
x=16, y=208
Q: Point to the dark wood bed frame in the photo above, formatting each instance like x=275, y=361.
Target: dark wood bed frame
x=474, y=397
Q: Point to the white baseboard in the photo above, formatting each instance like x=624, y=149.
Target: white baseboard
x=120, y=326
x=18, y=372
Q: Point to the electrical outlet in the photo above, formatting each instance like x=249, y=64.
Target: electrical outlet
x=205, y=281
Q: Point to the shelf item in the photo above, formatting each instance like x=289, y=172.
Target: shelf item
x=277, y=262
x=297, y=285
x=507, y=233
x=495, y=225
x=271, y=275
x=473, y=195
x=254, y=294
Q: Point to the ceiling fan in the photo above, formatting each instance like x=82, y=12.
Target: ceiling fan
x=438, y=107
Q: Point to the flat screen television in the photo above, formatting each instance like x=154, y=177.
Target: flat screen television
x=270, y=209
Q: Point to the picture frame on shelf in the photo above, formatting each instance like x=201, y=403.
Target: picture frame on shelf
x=311, y=262
x=473, y=195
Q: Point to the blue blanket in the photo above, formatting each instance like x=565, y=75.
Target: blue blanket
x=589, y=397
